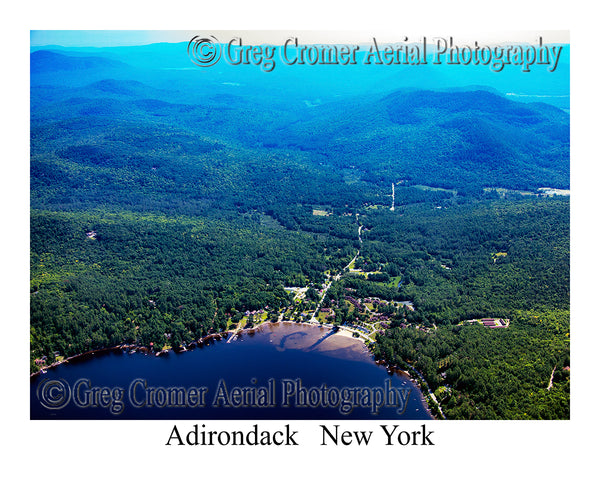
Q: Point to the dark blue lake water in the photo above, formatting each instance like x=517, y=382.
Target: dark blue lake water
x=283, y=371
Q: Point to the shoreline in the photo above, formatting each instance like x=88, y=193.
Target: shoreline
x=79, y=355
x=416, y=379
x=137, y=348
x=196, y=343
x=420, y=383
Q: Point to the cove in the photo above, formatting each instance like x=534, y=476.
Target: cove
x=281, y=371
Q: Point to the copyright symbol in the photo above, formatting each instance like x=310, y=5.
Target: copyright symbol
x=204, y=52
x=54, y=394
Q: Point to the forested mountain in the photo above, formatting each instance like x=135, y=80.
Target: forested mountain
x=168, y=200
x=446, y=139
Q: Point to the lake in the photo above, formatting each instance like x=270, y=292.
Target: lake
x=282, y=371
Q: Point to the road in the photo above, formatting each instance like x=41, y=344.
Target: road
x=551, y=378
x=336, y=278
x=428, y=390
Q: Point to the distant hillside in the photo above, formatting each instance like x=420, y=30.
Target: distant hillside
x=167, y=65
x=43, y=61
x=47, y=67
x=99, y=125
x=448, y=139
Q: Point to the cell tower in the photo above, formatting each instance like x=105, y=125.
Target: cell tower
x=393, y=197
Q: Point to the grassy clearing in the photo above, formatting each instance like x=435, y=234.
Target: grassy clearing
x=394, y=281
x=320, y=213
x=435, y=189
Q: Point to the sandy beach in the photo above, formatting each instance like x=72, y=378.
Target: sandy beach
x=303, y=336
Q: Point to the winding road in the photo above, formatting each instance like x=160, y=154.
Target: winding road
x=329, y=281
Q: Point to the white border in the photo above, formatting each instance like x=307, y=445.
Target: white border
x=465, y=449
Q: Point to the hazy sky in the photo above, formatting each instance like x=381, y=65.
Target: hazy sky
x=107, y=38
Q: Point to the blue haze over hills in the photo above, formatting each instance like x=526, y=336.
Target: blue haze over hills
x=467, y=133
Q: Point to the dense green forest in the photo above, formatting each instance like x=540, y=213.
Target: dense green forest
x=475, y=260
x=162, y=211
x=480, y=373
x=101, y=278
